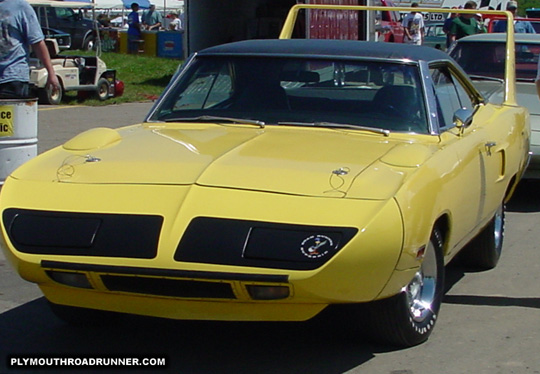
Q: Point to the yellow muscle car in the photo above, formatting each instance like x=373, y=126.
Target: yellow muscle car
x=272, y=180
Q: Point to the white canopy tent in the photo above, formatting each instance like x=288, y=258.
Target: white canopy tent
x=109, y=4
x=162, y=5
x=67, y=4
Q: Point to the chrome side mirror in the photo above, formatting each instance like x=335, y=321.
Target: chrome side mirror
x=463, y=118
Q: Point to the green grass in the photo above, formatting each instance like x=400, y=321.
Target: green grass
x=144, y=78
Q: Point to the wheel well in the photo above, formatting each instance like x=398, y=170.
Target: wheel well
x=443, y=225
x=60, y=81
x=510, y=190
x=89, y=34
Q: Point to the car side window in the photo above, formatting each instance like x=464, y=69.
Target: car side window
x=451, y=96
x=65, y=13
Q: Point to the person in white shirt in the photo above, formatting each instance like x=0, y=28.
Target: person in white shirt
x=413, y=26
x=175, y=24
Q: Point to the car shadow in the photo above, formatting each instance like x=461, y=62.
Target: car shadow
x=455, y=273
x=190, y=347
x=526, y=198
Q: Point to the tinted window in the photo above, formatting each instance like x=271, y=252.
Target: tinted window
x=297, y=90
x=488, y=59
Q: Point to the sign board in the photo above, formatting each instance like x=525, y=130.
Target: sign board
x=6, y=120
x=435, y=17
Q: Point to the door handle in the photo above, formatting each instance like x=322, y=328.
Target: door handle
x=490, y=145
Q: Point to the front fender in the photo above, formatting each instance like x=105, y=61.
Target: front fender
x=364, y=266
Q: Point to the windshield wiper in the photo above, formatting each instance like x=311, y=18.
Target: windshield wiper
x=217, y=118
x=338, y=125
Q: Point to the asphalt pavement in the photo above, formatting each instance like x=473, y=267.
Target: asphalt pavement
x=56, y=124
x=489, y=321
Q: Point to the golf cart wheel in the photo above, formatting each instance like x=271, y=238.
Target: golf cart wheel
x=103, y=89
x=47, y=96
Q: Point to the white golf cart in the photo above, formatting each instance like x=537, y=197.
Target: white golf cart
x=84, y=74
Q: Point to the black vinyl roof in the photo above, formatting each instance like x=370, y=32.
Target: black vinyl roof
x=327, y=48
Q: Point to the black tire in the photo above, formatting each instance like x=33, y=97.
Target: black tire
x=484, y=251
x=46, y=96
x=84, y=317
x=408, y=318
x=103, y=89
x=89, y=43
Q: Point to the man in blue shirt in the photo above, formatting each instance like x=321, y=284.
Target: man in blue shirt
x=519, y=26
x=19, y=29
x=134, y=29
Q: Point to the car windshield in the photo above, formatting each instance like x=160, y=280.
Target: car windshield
x=488, y=59
x=435, y=30
x=289, y=91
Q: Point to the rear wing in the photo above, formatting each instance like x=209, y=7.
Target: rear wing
x=510, y=62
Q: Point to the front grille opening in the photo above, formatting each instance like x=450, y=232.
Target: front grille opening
x=169, y=287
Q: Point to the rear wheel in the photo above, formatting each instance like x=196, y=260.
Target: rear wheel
x=103, y=89
x=47, y=96
x=408, y=318
x=484, y=251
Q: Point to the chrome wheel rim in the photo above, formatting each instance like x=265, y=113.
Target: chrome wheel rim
x=54, y=95
x=498, y=227
x=103, y=91
x=421, y=291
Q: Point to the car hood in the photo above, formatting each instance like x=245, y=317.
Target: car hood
x=289, y=160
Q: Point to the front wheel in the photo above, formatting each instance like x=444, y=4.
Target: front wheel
x=408, y=318
x=89, y=43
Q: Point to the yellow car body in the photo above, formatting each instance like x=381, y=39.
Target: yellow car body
x=210, y=218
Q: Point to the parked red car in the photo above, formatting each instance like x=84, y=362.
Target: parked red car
x=338, y=24
x=390, y=23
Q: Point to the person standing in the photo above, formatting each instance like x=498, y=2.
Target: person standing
x=465, y=24
x=519, y=26
x=446, y=26
x=175, y=24
x=134, y=29
x=413, y=26
x=19, y=30
x=152, y=19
